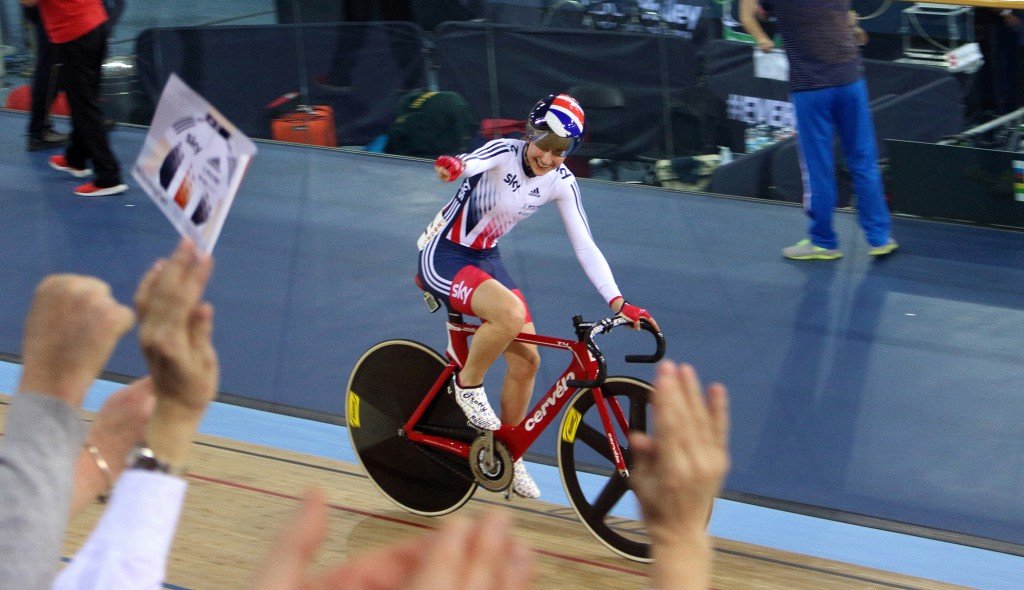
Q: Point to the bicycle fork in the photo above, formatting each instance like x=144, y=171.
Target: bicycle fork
x=602, y=404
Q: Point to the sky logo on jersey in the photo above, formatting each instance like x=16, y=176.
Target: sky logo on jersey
x=511, y=180
x=462, y=292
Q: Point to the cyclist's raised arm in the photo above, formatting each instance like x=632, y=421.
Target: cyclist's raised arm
x=488, y=156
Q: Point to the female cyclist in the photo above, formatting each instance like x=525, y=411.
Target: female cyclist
x=504, y=182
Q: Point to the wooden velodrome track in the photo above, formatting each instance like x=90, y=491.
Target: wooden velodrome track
x=239, y=494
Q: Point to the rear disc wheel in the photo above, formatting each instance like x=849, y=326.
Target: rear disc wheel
x=387, y=384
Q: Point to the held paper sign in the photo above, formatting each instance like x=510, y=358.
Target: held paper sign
x=192, y=163
x=771, y=64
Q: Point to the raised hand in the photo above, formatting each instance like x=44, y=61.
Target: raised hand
x=175, y=331
x=677, y=472
x=119, y=424
x=448, y=168
x=461, y=555
x=175, y=328
x=71, y=330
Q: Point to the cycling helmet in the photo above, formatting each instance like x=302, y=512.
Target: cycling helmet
x=556, y=124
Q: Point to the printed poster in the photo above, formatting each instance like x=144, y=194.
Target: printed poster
x=192, y=163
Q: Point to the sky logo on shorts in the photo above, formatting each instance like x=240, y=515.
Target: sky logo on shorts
x=462, y=292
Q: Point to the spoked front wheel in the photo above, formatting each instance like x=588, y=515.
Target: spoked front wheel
x=387, y=384
x=599, y=495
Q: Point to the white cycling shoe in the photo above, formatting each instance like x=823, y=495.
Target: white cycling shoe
x=522, y=484
x=473, y=402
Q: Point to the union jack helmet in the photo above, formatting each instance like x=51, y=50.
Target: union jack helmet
x=559, y=115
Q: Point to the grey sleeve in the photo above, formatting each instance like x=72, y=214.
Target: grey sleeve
x=37, y=457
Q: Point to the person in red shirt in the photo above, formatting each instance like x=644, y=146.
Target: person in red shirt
x=41, y=134
x=79, y=29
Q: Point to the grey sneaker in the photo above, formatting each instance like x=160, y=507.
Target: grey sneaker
x=885, y=249
x=522, y=484
x=805, y=250
x=473, y=402
x=49, y=139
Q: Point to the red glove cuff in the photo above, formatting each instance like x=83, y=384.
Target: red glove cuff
x=452, y=164
x=632, y=312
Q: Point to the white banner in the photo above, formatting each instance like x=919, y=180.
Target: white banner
x=192, y=163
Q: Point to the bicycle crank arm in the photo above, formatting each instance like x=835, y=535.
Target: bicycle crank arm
x=490, y=462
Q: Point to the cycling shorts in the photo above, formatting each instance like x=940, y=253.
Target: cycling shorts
x=452, y=272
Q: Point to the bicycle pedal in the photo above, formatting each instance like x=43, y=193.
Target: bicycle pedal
x=431, y=301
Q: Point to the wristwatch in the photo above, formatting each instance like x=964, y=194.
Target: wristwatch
x=142, y=457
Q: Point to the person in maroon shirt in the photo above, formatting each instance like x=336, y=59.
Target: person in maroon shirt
x=79, y=29
x=830, y=97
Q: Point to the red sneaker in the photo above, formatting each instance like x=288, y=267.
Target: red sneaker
x=91, y=190
x=61, y=163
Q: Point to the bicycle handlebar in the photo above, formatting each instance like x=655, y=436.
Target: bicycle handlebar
x=586, y=331
x=659, y=340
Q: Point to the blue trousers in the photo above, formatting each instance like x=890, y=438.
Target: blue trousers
x=820, y=114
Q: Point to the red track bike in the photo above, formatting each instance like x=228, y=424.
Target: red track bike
x=418, y=448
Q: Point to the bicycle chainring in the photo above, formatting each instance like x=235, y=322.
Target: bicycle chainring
x=498, y=477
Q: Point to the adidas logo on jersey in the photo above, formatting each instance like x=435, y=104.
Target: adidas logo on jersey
x=535, y=193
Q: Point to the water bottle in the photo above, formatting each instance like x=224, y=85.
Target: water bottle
x=782, y=133
x=750, y=143
x=724, y=155
x=764, y=136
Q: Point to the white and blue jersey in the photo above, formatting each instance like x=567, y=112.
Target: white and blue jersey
x=496, y=193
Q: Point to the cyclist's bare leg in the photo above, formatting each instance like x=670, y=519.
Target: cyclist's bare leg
x=517, y=388
x=504, y=316
x=523, y=362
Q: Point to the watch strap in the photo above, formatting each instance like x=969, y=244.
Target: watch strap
x=143, y=458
